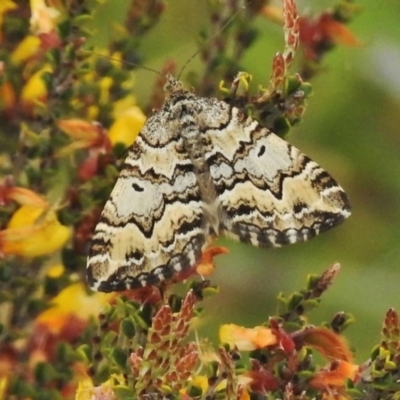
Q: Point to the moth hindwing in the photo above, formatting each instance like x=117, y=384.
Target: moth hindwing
x=201, y=168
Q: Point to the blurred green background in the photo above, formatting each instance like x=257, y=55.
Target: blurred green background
x=352, y=128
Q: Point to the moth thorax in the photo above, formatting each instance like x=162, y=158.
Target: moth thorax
x=193, y=145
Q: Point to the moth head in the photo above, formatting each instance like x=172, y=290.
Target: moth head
x=173, y=86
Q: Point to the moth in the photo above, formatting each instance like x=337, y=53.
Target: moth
x=201, y=168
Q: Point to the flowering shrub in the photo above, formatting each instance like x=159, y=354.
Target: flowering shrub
x=67, y=112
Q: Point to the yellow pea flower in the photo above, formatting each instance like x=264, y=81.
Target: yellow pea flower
x=35, y=89
x=3, y=386
x=5, y=6
x=27, y=48
x=33, y=231
x=246, y=339
x=127, y=126
x=73, y=301
x=55, y=271
x=86, y=390
x=105, y=84
x=43, y=18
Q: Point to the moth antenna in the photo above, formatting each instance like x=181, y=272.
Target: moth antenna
x=125, y=62
x=227, y=23
x=196, y=53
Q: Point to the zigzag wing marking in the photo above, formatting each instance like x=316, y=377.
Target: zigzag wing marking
x=269, y=193
x=198, y=169
x=152, y=226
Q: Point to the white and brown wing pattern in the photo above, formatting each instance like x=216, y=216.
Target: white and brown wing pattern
x=269, y=193
x=200, y=168
x=153, y=224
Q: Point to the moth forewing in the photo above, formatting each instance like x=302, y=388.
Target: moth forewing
x=201, y=168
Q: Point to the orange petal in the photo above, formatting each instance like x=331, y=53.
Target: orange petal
x=273, y=13
x=328, y=343
x=80, y=129
x=338, y=31
x=336, y=376
x=7, y=96
x=246, y=339
x=206, y=265
x=244, y=394
x=21, y=195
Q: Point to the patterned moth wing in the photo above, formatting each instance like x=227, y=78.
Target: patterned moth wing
x=269, y=193
x=200, y=168
x=153, y=224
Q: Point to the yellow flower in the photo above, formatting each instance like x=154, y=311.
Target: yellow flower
x=246, y=339
x=201, y=381
x=125, y=103
x=5, y=6
x=86, y=390
x=127, y=126
x=105, y=84
x=27, y=48
x=35, y=89
x=92, y=112
x=55, y=271
x=33, y=231
x=73, y=301
x=43, y=18
x=3, y=386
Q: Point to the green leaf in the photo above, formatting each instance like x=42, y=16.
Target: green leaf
x=120, y=357
x=44, y=373
x=128, y=328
